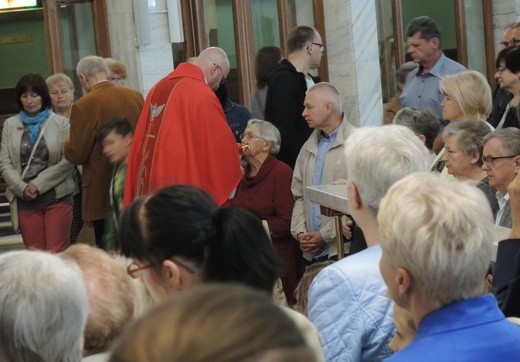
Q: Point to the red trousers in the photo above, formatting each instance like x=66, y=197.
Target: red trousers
x=46, y=229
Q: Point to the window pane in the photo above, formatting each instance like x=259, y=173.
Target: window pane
x=475, y=33
x=265, y=23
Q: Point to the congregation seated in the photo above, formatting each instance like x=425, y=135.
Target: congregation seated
x=110, y=295
x=348, y=300
x=178, y=238
x=436, y=253
x=214, y=322
x=43, y=308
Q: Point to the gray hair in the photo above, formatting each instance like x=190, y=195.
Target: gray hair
x=443, y=236
x=329, y=93
x=269, y=132
x=404, y=69
x=421, y=122
x=510, y=138
x=60, y=78
x=379, y=156
x=469, y=136
x=44, y=307
x=91, y=65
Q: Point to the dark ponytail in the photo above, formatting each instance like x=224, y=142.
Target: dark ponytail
x=241, y=251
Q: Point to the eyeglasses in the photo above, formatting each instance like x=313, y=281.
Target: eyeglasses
x=514, y=41
x=505, y=44
x=223, y=80
x=250, y=136
x=322, y=46
x=490, y=160
x=134, y=268
x=501, y=68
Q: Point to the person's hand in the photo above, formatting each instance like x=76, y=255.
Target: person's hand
x=30, y=192
x=311, y=241
x=347, y=229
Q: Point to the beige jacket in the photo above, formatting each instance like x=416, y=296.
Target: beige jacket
x=335, y=168
x=57, y=175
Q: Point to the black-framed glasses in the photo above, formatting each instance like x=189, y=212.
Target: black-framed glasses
x=134, y=268
x=490, y=160
x=514, y=41
x=223, y=80
x=322, y=46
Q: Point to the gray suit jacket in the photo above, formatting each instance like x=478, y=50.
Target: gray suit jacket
x=505, y=220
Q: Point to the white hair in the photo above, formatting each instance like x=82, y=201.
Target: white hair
x=91, y=65
x=377, y=157
x=43, y=309
x=440, y=230
x=269, y=132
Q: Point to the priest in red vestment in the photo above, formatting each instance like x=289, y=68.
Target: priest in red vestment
x=182, y=136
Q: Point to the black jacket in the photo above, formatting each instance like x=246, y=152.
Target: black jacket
x=284, y=106
x=501, y=98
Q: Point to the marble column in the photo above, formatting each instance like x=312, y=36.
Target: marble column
x=146, y=64
x=353, y=58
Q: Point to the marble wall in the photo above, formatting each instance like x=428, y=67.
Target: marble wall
x=146, y=64
x=353, y=58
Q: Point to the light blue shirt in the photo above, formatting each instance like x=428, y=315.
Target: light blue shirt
x=349, y=304
x=422, y=90
x=324, y=144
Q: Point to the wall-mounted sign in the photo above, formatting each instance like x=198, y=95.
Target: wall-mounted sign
x=15, y=39
x=13, y=4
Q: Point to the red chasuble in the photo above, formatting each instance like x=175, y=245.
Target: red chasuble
x=182, y=137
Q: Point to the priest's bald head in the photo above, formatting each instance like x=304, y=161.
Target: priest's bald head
x=214, y=63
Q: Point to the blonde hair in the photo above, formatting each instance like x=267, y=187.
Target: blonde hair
x=443, y=236
x=111, y=305
x=60, y=78
x=117, y=67
x=214, y=322
x=472, y=93
x=301, y=292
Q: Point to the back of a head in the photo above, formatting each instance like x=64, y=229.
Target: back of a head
x=92, y=65
x=242, y=251
x=426, y=26
x=227, y=245
x=299, y=37
x=471, y=91
x=394, y=152
x=174, y=221
x=421, y=122
x=109, y=294
x=215, y=322
x=404, y=69
x=117, y=67
x=267, y=59
x=444, y=230
x=43, y=307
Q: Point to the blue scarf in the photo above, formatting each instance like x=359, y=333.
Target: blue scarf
x=34, y=123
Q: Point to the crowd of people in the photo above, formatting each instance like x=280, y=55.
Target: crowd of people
x=206, y=245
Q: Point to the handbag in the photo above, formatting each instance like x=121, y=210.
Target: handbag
x=10, y=195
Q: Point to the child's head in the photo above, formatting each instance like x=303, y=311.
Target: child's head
x=302, y=289
x=115, y=136
x=404, y=329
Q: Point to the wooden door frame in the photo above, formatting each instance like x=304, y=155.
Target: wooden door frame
x=53, y=33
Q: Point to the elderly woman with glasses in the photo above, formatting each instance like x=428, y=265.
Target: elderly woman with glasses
x=463, y=155
x=265, y=190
